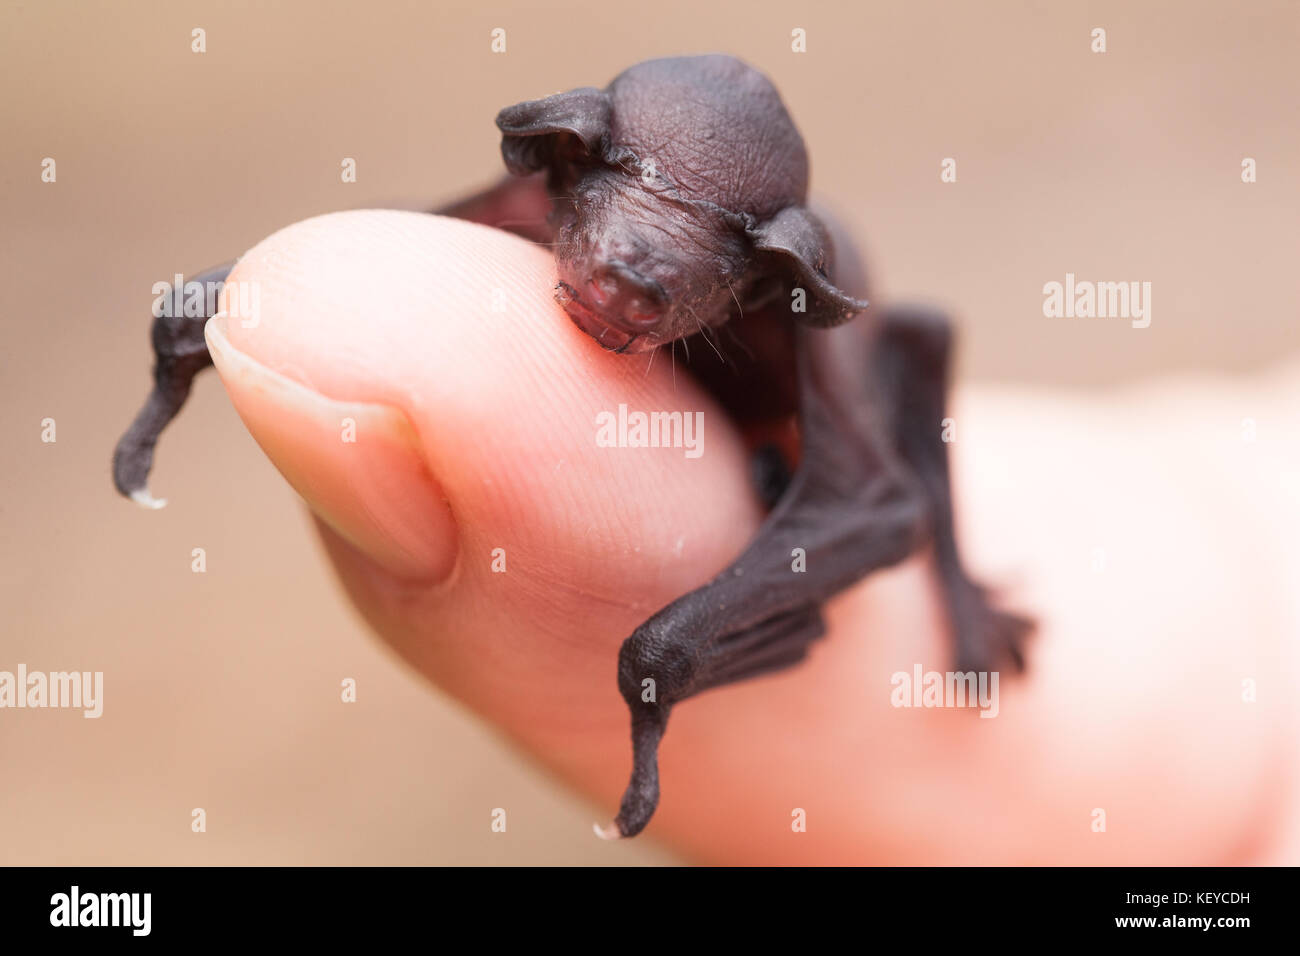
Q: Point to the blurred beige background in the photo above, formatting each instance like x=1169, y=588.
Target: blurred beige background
x=222, y=689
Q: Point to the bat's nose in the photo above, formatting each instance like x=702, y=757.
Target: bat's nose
x=633, y=300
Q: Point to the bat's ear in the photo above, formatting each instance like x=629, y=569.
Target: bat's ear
x=797, y=245
x=538, y=133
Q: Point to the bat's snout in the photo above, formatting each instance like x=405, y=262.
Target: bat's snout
x=626, y=298
x=621, y=308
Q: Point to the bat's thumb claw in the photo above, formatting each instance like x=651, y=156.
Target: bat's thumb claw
x=144, y=499
x=611, y=832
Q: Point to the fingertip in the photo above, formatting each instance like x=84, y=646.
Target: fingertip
x=455, y=326
x=358, y=465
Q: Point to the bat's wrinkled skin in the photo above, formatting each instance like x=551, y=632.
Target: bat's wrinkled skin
x=675, y=201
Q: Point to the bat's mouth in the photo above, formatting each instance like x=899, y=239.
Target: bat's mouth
x=607, y=336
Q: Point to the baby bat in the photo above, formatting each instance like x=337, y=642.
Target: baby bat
x=675, y=201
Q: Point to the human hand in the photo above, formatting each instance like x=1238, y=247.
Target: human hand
x=474, y=431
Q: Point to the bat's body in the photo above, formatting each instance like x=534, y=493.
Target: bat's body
x=675, y=203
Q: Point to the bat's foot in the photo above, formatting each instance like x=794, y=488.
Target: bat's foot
x=987, y=638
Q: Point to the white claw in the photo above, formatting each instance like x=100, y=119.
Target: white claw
x=607, y=833
x=146, y=500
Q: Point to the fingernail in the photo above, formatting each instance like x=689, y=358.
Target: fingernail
x=358, y=465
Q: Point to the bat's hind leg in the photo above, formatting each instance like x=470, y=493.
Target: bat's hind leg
x=180, y=353
x=850, y=509
x=910, y=367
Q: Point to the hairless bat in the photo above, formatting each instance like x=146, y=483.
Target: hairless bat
x=675, y=203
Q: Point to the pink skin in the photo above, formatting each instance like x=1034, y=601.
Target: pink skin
x=475, y=432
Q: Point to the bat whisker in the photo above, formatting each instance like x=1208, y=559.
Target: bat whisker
x=734, y=297
x=704, y=332
x=650, y=364
x=712, y=335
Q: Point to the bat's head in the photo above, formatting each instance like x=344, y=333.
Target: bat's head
x=678, y=201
